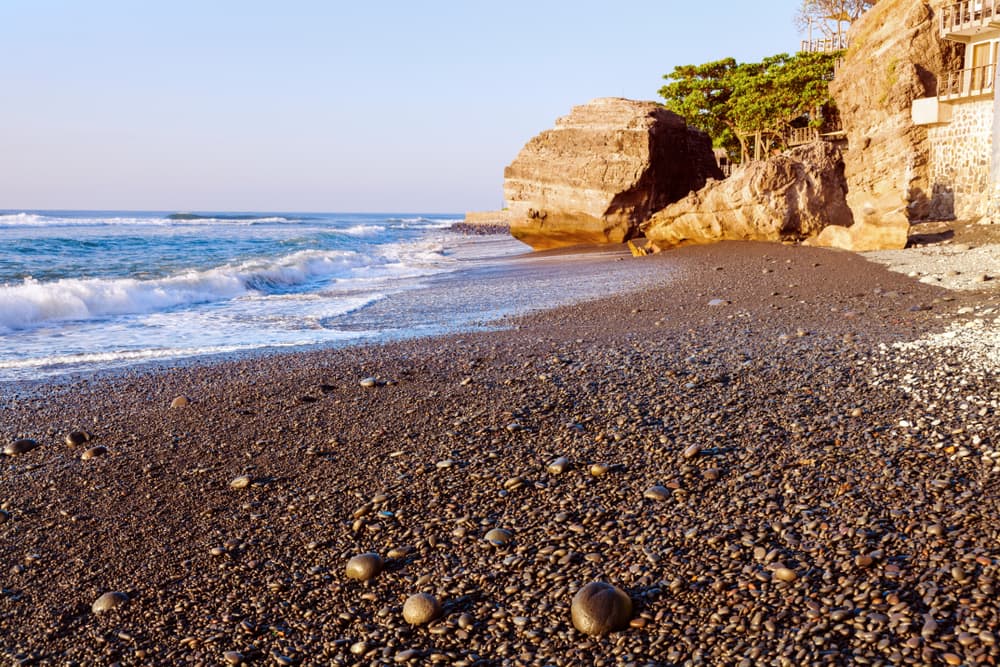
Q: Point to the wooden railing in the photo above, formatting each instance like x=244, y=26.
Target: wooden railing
x=797, y=136
x=826, y=44
x=968, y=15
x=967, y=82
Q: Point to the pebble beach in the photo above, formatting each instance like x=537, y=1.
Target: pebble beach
x=779, y=456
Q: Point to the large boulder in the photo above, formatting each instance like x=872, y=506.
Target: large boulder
x=788, y=197
x=880, y=225
x=602, y=171
x=894, y=57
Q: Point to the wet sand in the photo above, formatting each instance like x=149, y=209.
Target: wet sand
x=825, y=499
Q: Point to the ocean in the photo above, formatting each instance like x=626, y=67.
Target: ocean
x=84, y=291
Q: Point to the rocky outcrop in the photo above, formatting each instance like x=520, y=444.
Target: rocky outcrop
x=603, y=170
x=788, y=197
x=879, y=225
x=894, y=57
x=484, y=223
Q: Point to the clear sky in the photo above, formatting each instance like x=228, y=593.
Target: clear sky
x=306, y=105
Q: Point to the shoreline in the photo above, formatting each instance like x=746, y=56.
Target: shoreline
x=478, y=290
x=773, y=365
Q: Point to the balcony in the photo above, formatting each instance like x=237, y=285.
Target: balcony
x=966, y=83
x=963, y=21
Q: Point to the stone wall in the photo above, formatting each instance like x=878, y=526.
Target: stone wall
x=960, y=161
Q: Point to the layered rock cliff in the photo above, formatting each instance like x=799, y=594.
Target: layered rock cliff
x=603, y=170
x=894, y=58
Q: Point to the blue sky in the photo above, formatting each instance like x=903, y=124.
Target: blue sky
x=324, y=106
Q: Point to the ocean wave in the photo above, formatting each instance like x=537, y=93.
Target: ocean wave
x=362, y=230
x=33, y=303
x=15, y=220
x=11, y=220
x=421, y=222
x=228, y=217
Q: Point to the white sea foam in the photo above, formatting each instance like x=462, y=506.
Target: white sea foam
x=362, y=230
x=15, y=220
x=12, y=220
x=424, y=223
x=64, y=360
x=32, y=303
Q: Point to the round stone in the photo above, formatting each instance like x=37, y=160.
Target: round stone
x=692, y=451
x=77, y=438
x=241, y=482
x=22, y=446
x=364, y=566
x=599, y=608
x=421, y=608
x=558, y=466
x=180, y=402
x=108, y=601
x=785, y=574
x=598, y=469
x=399, y=552
x=657, y=492
x=513, y=483
x=94, y=452
x=369, y=382
x=499, y=537
x=232, y=657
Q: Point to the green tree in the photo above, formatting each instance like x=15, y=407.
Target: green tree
x=731, y=101
x=702, y=94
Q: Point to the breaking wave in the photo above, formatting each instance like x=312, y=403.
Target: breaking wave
x=32, y=303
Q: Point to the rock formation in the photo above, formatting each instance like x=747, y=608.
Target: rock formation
x=602, y=171
x=788, y=197
x=894, y=58
x=878, y=225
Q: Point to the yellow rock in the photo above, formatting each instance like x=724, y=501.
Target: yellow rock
x=880, y=224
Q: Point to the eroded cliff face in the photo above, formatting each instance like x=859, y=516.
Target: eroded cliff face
x=603, y=170
x=895, y=57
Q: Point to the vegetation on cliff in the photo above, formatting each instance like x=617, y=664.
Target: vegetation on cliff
x=732, y=101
